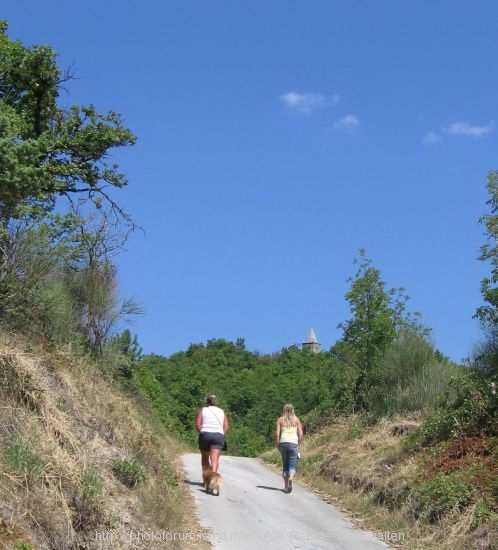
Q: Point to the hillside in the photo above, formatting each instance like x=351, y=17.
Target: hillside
x=83, y=465
x=86, y=464
x=442, y=496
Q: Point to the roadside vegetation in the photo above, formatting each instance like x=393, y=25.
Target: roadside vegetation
x=90, y=428
x=84, y=461
x=417, y=463
x=84, y=464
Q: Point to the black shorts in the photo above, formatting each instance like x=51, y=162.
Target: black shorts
x=208, y=441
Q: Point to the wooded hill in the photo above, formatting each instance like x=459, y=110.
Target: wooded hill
x=253, y=388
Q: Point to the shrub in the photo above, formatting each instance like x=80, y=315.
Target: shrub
x=170, y=475
x=130, y=473
x=309, y=463
x=469, y=409
x=24, y=460
x=441, y=494
x=414, y=377
x=484, y=514
x=438, y=427
x=355, y=430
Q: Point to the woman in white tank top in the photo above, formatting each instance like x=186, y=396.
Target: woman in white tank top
x=212, y=425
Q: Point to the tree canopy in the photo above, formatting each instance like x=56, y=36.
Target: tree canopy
x=48, y=151
x=488, y=313
x=59, y=222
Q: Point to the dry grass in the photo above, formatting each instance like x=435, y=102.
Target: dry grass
x=61, y=426
x=365, y=472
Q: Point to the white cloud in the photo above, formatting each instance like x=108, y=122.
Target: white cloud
x=466, y=129
x=304, y=103
x=432, y=137
x=349, y=123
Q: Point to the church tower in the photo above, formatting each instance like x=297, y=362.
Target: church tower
x=312, y=344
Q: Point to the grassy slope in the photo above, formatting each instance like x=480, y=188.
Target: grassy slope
x=62, y=427
x=367, y=471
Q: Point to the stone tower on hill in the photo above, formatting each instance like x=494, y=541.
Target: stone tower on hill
x=312, y=344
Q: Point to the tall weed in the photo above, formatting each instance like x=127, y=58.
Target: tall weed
x=414, y=379
x=60, y=317
x=23, y=459
x=87, y=500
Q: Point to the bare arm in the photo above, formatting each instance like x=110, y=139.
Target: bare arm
x=226, y=424
x=300, y=433
x=198, y=422
x=277, y=433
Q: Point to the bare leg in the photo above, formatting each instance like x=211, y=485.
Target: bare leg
x=205, y=459
x=290, y=482
x=214, y=455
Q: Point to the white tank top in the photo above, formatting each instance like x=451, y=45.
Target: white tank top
x=212, y=419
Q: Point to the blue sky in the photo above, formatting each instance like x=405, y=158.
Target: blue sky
x=277, y=138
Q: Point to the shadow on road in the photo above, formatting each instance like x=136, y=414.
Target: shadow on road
x=269, y=488
x=188, y=482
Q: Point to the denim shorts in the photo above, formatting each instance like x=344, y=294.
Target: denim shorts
x=289, y=454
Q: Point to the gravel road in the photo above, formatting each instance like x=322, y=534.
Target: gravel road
x=252, y=512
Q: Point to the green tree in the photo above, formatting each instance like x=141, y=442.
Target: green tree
x=486, y=354
x=123, y=353
x=47, y=151
x=372, y=326
x=54, y=156
x=129, y=346
x=488, y=314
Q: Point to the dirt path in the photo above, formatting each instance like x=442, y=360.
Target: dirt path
x=253, y=512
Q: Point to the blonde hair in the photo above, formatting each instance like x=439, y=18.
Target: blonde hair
x=289, y=416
